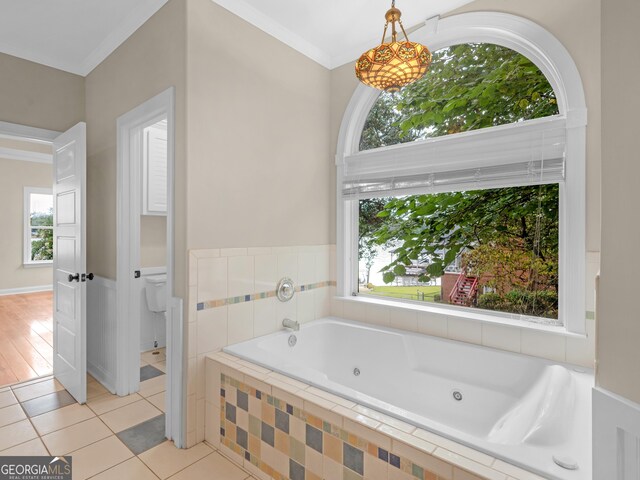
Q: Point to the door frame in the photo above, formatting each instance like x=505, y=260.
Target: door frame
x=129, y=129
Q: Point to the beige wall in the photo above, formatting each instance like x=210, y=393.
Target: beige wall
x=259, y=162
x=259, y=148
x=149, y=62
x=14, y=176
x=618, y=338
x=576, y=23
x=153, y=241
x=39, y=96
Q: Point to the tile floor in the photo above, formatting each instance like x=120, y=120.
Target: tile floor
x=26, y=337
x=109, y=438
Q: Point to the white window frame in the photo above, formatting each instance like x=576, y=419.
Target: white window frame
x=28, y=191
x=546, y=51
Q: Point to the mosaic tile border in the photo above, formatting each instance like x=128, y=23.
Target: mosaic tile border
x=276, y=416
x=259, y=296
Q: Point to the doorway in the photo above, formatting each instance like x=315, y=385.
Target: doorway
x=53, y=239
x=149, y=315
x=26, y=259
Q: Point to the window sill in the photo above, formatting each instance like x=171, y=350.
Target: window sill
x=463, y=314
x=37, y=264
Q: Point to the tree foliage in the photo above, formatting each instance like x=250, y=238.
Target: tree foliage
x=435, y=229
x=472, y=86
x=468, y=87
x=369, y=222
x=539, y=303
x=42, y=238
x=382, y=127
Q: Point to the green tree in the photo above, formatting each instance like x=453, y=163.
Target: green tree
x=369, y=223
x=473, y=86
x=42, y=238
x=382, y=127
x=436, y=228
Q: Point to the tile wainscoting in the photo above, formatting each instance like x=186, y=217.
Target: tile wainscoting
x=277, y=427
x=575, y=349
x=232, y=298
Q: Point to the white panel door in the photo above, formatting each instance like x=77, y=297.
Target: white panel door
x=69, y=262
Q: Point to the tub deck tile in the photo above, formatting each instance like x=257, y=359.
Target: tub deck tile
x=382, y=418
x=316, y=400
x=514, y=472
x=312, y=408
x=255, y=380
x=407, y=438
x=454, y=447
x=287, y=387
x=357, y=417
x=254, y=367
x=331, y=397
x=288, y=380
x=469, y=465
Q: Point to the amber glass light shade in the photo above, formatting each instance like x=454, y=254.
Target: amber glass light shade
x=391, y=66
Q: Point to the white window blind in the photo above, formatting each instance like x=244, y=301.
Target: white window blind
x=526, y=153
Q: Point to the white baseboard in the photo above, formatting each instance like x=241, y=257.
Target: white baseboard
x=18, y=291
x=101, y=376
x=616, y=437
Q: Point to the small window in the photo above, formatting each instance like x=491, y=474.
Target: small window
x=38, y=222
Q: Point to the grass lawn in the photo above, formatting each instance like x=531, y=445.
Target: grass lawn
x=409, y=293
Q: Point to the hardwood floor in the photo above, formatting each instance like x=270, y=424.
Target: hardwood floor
x=26, y=337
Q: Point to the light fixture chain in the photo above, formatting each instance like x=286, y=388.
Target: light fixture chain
x=403, y=31
x=384, y=34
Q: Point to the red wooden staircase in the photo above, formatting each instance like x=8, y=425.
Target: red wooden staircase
x=464, y=291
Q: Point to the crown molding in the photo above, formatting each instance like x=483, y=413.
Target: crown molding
x=276, y=30
x=22, y=132
x=25, y=156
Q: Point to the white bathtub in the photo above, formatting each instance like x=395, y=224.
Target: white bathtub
x=521, y=409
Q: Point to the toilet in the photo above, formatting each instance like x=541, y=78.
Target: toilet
x=156, y=293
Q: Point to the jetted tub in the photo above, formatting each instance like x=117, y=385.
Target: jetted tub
x=523, y=410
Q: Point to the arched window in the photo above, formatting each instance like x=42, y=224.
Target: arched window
x=468, y=87
x=465, y=190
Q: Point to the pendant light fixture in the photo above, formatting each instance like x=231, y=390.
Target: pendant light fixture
x=391, y=66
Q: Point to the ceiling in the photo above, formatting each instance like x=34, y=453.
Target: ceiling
x=71, y=35
x=333, y=32
x=76, y=35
